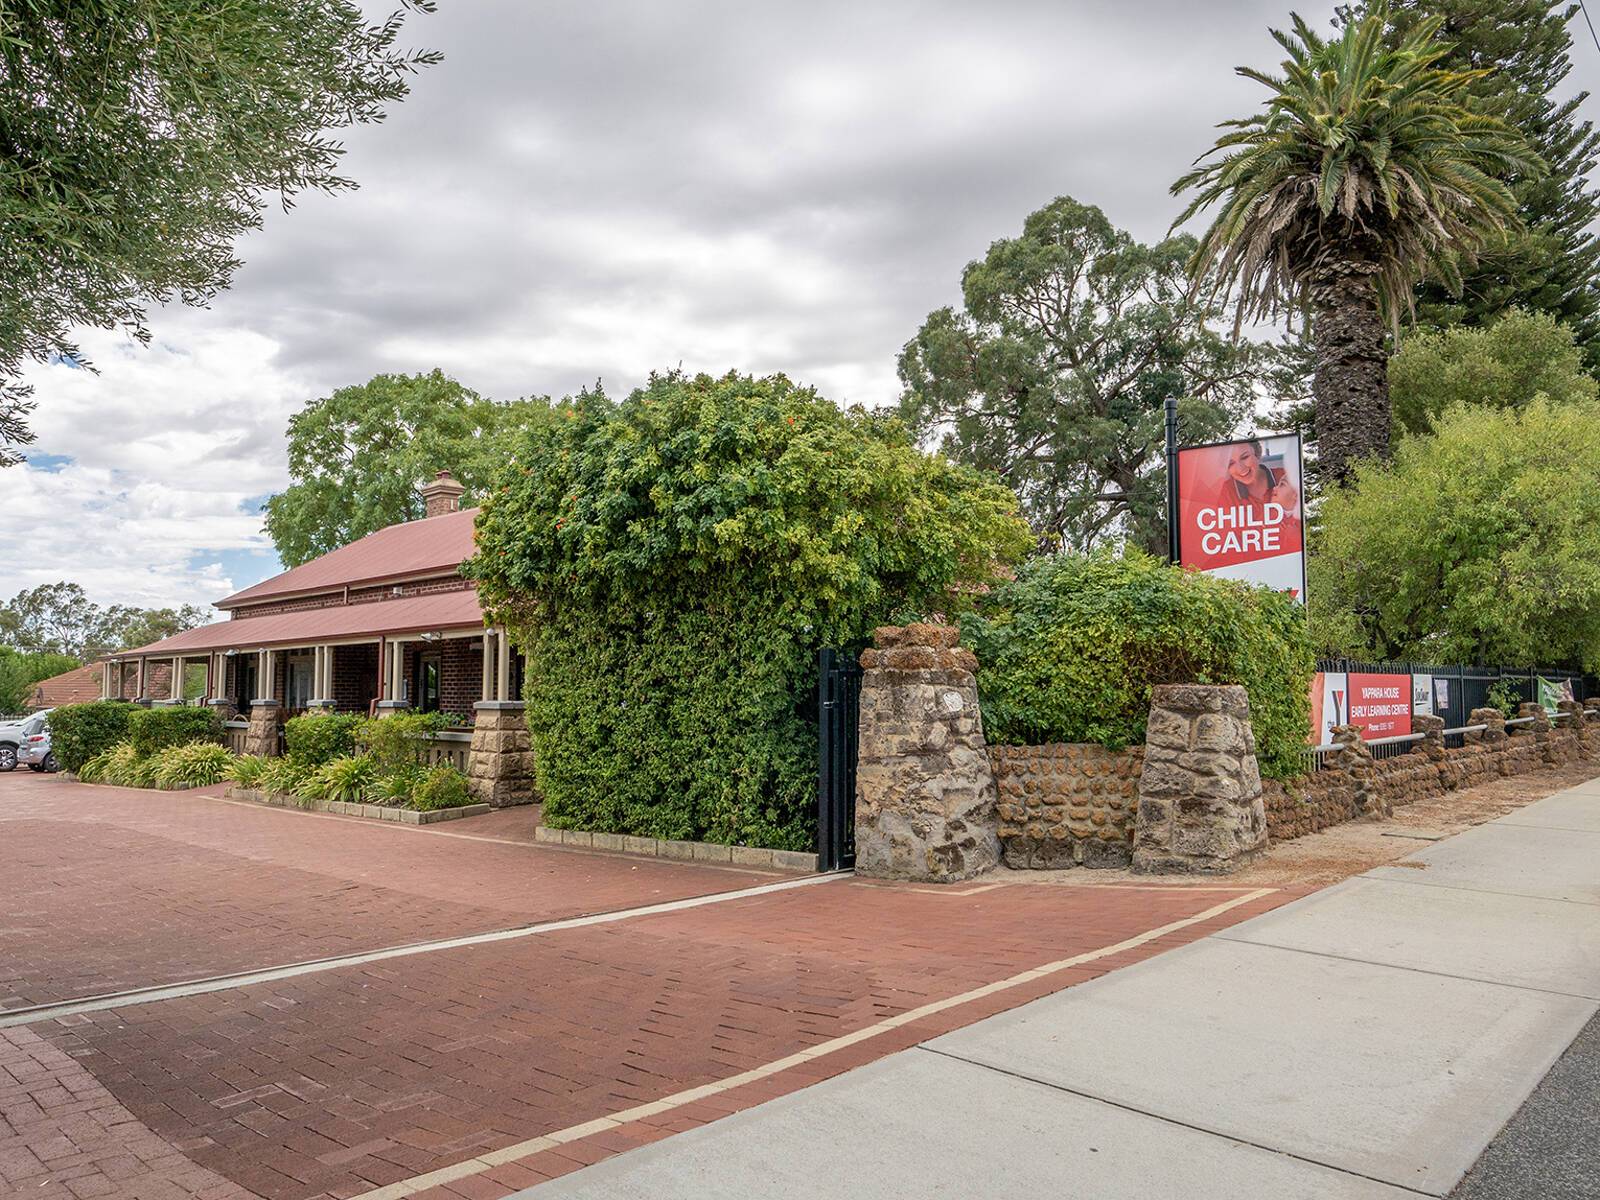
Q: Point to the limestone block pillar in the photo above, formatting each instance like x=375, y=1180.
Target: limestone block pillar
x=925, y=792
x=262, y=736
x=1201, y=809
x=500, y=761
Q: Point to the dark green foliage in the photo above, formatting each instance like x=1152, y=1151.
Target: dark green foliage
x=20, y=671
x=79, y=732
x=1069, y=651
x=357, y=456
x=671, y=565
x=319, y=738
x=1552, y=263
x=154, y=729
x=139, y=139
x=392, y=742
x=442, y=787
x=1055, y=373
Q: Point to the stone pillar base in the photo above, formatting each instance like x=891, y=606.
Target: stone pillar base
x=388, y=708
x=500, y=762
x=1201, y=809
x=224, y=708
x=262, y=736
x=926, y=804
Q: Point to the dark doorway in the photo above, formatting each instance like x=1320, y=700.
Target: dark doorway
x=430, y=671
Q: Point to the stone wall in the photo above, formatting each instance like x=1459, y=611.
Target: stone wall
x=925, y=793
x=1348, y=788
x=500, y=762
x=1064, y=805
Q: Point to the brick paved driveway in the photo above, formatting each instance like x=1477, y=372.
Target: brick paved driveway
x=474, y=1070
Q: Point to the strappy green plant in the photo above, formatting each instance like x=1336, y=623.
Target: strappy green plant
x=1366, y=171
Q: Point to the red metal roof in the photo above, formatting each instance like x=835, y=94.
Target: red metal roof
x=431, y=546
x=409, y=614
x=77, y=686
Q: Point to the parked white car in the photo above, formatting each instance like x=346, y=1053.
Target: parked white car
x=34, y=752
x=13, y=734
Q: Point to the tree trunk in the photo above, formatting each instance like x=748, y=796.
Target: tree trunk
x=1351, y=383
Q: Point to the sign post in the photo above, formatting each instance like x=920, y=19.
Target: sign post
x=1172, y=480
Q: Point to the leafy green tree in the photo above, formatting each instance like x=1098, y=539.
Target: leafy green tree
x=671, y=566
x=140, y=138
x=1055, y=373
x=1551, y=263
x=19, y=672
x=1366, y=171
x=1478, y=543
x=356, y=457
x=1503, y=365
x=59, y=618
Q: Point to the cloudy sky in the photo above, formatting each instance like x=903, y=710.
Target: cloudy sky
x=588, y=190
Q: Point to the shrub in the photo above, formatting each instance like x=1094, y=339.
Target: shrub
x=247, y=770
x=79, y=732
x=391, y=742
x=94, y=771
x=322, y=737
x=283, y=775
x=396, y=789
x=1506, y=696
x=671, y=565
x=126, y=767
x=197, y=764
x=344, y=779
x=442, y=787
x=154, y=729
x=1069, y=651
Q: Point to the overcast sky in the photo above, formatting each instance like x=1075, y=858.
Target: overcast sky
x=592, y=190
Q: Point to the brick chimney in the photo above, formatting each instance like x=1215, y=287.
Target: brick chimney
x=441, y=495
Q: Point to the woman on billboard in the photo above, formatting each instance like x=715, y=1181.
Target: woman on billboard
x=1253, y=483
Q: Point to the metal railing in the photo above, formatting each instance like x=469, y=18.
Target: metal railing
x=1402, y=743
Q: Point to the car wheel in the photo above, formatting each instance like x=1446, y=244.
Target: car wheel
x=8, y=758
x=50, y=766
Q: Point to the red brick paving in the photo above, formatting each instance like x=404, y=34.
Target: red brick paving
x=332, y=1083
x=108, y=889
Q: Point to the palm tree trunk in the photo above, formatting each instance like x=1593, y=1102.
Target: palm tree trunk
x=1351, y=382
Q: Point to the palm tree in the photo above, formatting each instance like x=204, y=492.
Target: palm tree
x=1365, y=173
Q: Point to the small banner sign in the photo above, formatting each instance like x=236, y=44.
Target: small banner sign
x=1240, y=513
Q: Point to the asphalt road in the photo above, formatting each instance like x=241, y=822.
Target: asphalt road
x=1551, y=1149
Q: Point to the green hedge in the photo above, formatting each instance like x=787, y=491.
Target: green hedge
x=671, y=565
x=319, y=738
x=79, y=732
x=1069, y=651
x=152, y=730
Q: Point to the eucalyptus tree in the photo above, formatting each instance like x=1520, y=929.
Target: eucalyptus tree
x=1365, y=173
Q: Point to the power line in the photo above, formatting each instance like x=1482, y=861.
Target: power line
x=1585, y=11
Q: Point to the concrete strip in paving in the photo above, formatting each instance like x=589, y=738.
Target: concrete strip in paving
x=1387, y=1073
x=1517, y=860
x=1520, y=941
x=923, y=1125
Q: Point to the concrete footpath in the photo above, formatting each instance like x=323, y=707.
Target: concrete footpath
x=1365, y=1043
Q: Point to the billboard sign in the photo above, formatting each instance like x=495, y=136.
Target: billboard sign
x=1380, y=705
x=1240, y=513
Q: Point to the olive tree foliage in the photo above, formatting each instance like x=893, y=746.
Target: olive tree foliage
x=1480, y=542
x=358, y=455
x=140, y=138
x=1503, y=365
x=1055, y=372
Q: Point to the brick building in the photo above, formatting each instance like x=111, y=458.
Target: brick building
x=386, y=622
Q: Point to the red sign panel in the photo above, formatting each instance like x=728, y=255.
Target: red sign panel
x=1239, y=512
x=1380, y=705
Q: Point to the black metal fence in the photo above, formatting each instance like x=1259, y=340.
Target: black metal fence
x=838, y=713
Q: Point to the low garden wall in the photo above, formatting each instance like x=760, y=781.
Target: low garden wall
x=1066, y=805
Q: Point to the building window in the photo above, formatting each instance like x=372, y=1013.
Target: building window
x=298, y=681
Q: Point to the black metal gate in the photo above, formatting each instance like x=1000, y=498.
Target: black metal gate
x=838, y=710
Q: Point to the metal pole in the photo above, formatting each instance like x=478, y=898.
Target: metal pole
x=1172, y=480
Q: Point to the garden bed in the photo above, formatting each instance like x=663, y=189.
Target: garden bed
x=372, y=812
x=712, y=852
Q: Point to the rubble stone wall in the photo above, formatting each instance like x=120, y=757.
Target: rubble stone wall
x=1065, y=805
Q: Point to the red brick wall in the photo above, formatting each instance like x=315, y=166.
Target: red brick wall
x=460, y=673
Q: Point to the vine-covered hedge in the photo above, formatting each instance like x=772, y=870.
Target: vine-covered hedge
x=152, y=730
x=1069, y=651
x=79, y=732
x=671, y=565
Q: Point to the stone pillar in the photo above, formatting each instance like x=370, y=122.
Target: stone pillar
x=1356, y=761
x=1432, y=730
x=1541, y=726
x=222, y=706
x=1201, y=809
x=1494, y=721
x=925, y=792
x=500, y=762
x=262, y=736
